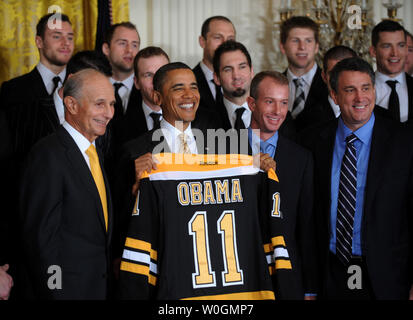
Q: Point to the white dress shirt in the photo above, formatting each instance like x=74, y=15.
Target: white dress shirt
x=383, y=92
x=171, y=136
x=209, y=76
x=125, y=90
x=60, y=109
x=307, y=80
x=335, y=107
x=147, y=111
x=80, y=140
x=47, y=77
x=231, y=107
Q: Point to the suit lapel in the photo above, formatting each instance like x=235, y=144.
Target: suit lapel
x=409, y=81
x=380, y=146
x=49, y=110
x=37, y=83
x=206, y=94
x=80, y=167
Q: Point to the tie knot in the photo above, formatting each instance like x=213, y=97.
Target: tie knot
x=392, y=83
x=239, y=112
x=298, y=82
x=156, y=118
x=56, y=80
x=91, y=152
x=117, y=85
x=351, y=138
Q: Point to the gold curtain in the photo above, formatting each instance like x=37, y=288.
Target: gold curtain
x=18, y=20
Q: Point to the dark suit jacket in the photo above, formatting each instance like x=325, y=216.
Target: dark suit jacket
x=24, y=90
x=294, y=168
x=388, y=204
x=316, y=107
x=207, y=99
x=62, y=221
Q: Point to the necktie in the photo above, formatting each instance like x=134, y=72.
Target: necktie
x=218, y=92
x=99, y=181
x=156, y=119
x=239, y=124
x=346, y=206
x=299, y=100
x=394, y=104
x=118, y=103
x=56, y=81
x=184, y=147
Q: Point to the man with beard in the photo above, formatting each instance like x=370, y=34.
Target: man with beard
x=55, y=41
x=233, y=72
x=394, y=87
x=121, y=45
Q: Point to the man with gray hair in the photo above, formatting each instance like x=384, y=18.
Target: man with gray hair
x=65, y=205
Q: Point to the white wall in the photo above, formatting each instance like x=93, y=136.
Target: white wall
x=175, y=25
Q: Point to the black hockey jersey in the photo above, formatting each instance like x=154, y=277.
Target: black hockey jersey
x=201, y=231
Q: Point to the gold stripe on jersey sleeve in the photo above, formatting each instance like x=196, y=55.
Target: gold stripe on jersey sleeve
x=138, y=269
x=283, y=264
x=278, y=241
x=142, y=245
x=254, y=295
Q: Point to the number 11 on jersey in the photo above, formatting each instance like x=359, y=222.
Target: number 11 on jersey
x=198, y=229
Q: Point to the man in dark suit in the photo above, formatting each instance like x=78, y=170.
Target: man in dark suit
x=121, y=44
x=176, y=91
x=394, y=87
x=268, y=102
x=327, y=106
x=55, y=49
x=215, y=30
x=65, y=204
x=147, y=115
x=363, y=193
x=299, y=43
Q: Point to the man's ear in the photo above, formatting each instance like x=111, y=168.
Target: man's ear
x=372, y=51
x=216, y=80
x=39, y=42
x=251, y=103
x=334, y=96
x=157, y=98
x=71, y=105
x=105, y=49
x=202, y=42
x=282, y=49
x=323, y=75
x=135, y=81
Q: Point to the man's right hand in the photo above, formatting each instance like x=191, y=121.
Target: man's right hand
x=143, y=163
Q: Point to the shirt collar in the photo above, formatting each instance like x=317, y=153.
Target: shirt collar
x=147, y=110
x=257, y=144
x=380, y=77
x=363, y=133
x=81, y=141
x=209, y=74
x=308, y=77
x=47, y=75
x=128, y=82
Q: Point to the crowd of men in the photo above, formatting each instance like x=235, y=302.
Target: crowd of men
x=79, y=133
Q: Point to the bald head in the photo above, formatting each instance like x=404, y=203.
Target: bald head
x=89, y=102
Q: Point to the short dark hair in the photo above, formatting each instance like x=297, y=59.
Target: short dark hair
x=41, y=25
x=89, y=59
x=259, y=77
x=298, y=22
x=147, y=53
x=338, y=53
x=385, y=26
x=229, y=46
x=160, y=75
x=207, y=22
x=109, y=33
x=350, y=64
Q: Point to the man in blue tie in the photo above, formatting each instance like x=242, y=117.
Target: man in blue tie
x=268, y=101
x=363, y=193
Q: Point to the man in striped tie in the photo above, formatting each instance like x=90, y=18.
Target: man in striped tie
x=65, y=205
x=363, y=179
